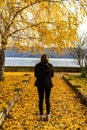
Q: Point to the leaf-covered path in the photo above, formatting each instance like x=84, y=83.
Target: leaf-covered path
x=67, y=113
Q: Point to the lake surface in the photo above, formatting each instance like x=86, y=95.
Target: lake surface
x=57, y=62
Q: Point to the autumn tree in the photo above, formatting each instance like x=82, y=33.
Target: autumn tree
x=79, y=52
x=39, y=24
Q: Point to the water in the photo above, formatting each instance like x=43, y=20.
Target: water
x=57, y=62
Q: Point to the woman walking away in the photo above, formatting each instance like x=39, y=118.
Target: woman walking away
x=43, y=73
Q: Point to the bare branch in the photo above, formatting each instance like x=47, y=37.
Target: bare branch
x=32, y=25
x=16, y=31
x=16, y=15
x=32, y=3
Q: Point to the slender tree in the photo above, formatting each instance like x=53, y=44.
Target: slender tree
x=79, y=52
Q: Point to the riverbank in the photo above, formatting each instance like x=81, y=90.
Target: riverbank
x=31, y=69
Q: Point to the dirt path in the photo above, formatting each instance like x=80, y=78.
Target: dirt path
x=67, y=113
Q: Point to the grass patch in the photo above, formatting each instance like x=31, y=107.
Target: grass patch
x=79, y=82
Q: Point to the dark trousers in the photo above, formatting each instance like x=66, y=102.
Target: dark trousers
x=41, y=92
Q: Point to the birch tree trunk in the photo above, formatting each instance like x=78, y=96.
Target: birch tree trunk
x=2, y=62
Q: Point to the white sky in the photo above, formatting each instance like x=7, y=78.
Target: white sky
x=83, y=28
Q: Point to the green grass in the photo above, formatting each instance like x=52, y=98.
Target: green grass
x=79, y=82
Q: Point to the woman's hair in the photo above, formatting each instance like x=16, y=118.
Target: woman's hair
x=44, y=58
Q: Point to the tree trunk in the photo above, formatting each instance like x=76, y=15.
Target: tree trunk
x=86, y=63
x=83, y=72
x=2, y=62
x=86, y=69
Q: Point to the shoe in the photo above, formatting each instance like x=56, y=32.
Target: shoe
x=48, y=117
x=41, y=117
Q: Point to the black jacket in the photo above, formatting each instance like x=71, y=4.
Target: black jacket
x=44, y=72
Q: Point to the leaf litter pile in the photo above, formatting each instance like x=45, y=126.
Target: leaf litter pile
x=67, y=113
x=10, y=87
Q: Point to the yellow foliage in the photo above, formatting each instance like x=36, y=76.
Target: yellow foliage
x=10, y=87
x=2, y=4
x=66, y=110
x=27, y=21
